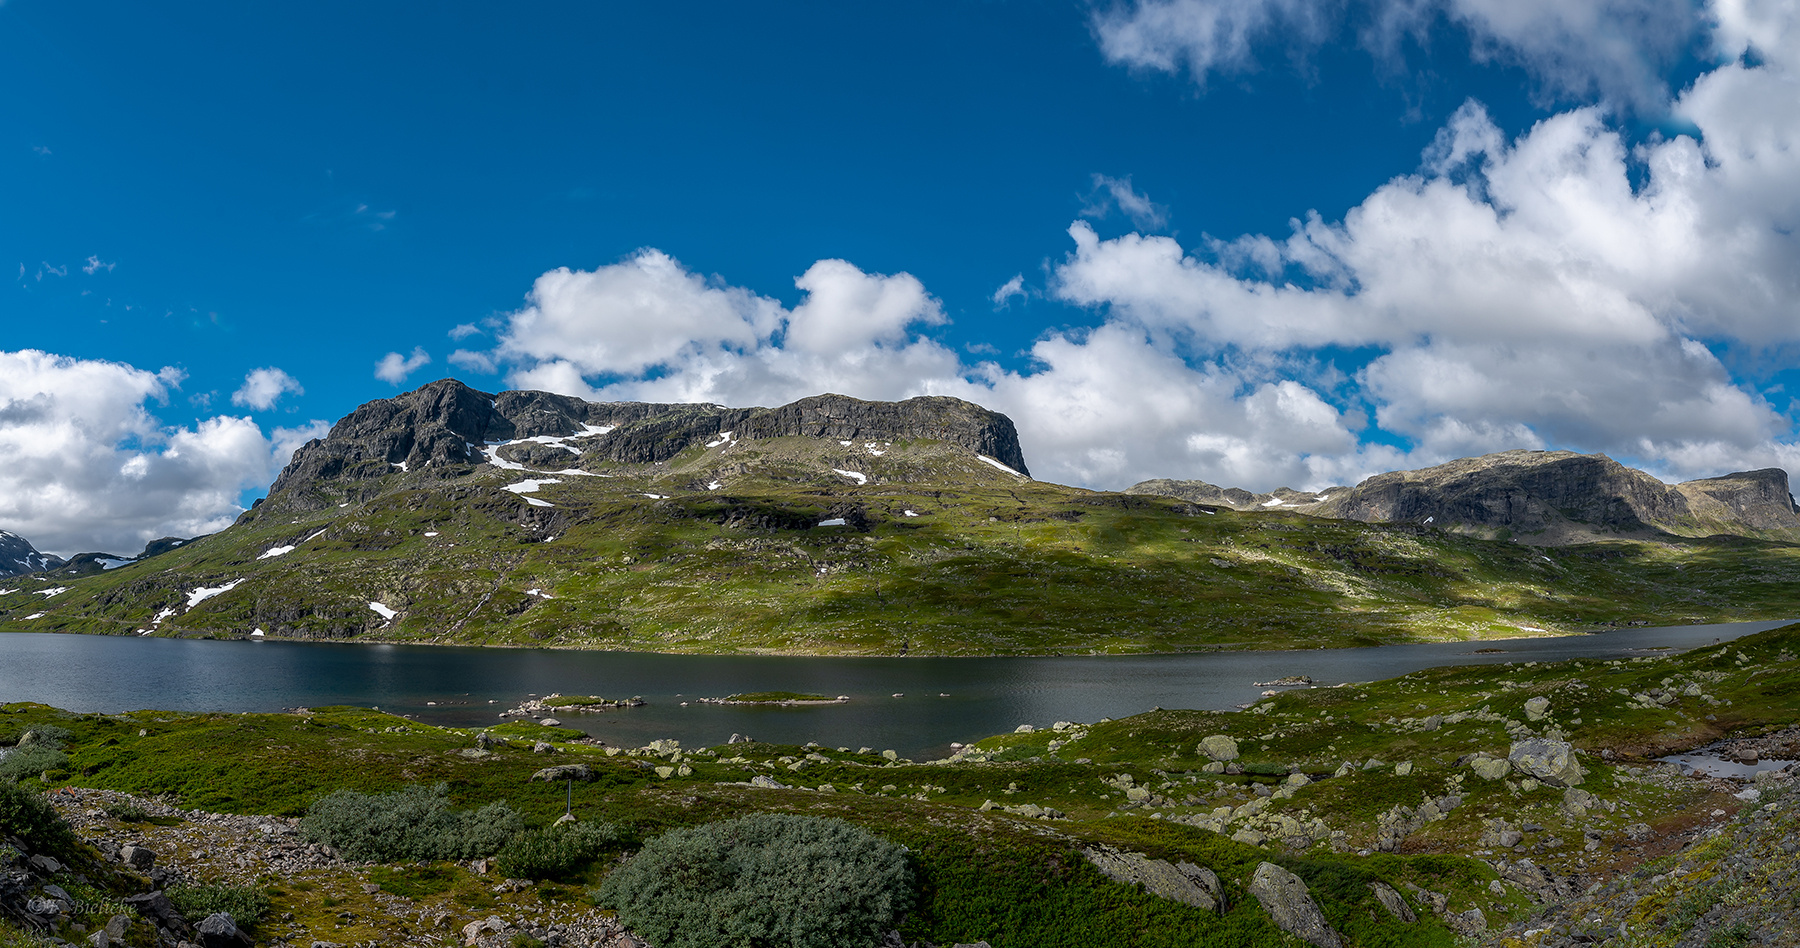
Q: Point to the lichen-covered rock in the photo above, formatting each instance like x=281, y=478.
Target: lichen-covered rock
x=1537, y=708
x=1488, y=767
x=1552, y=762
x=565, y=772
x=1393, y=902
x=1218, y=747
x=1181, y=882
x=1290, y=905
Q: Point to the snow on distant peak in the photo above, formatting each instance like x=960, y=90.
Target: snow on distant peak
x=715, y=485
x=856, y=476
x=833, y=522
x=258, y=633
x=587, y=430
x=47, y=593
x=725, y=437
x=275, y=551
x=908, y=513
x=987, y=460
x=204, y=593
x=530, y=486
x=383, y=611
x=113, y=562
x=657, y=496
x=1273, y=502
x=533, y=501
x=36, y=615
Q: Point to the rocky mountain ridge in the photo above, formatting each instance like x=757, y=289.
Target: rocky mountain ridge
x=1547, y=498
x=18, y=556
x=445, y=427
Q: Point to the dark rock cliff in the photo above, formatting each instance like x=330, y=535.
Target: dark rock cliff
x=441, y=427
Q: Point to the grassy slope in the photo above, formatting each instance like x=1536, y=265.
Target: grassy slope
x=991, y=564
x=1020, y=881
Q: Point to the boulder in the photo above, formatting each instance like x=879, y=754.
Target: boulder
x=137, y=857
x=1218, y=747
x=1393, y=902
x=1537, y=708
x=1285, y=897
x=1552, y=762
x=565, y=772
x=218, y=930
x=1488, y=767
x=550, y=722
x=1181, y=882
x=159, y=910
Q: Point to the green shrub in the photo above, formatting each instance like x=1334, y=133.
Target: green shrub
x=556, y=852
x=31, y=760
x=26, y=814
x=245, y=904
x=760, y=882
x=411, y=824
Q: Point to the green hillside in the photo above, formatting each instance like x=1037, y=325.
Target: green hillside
x=722, y=548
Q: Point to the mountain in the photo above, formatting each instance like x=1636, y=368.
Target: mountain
x=18, y=556
x=837, y=526
x=444, y=428
x=1545, y=498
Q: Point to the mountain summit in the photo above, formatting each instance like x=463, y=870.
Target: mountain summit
x=1547, y=498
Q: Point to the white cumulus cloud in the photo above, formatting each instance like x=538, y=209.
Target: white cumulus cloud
x=263, y=387
x=89, y=467
x=394, y=367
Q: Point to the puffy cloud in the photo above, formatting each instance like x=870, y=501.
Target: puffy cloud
x=648, y=328
x=263, y=387
x=1555, y=288
x=89, y=467
x=630, y=316
x=394, y=367
x=1615, y=49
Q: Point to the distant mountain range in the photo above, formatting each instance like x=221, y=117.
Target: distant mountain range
x=1546, y=498
x=835, y=525
x=18, y=556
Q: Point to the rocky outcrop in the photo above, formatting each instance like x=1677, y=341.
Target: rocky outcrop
x=1181, y=882
x=441, y=428
x=1290, y=905
x=1543, y=497
x=1551, y=762
x=18, y=556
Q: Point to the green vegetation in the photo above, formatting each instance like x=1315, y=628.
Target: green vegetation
x=416, y=822
x=775, y=697
x=556, y=852
x=247, y=905
x=26, y=814
x=772, y=880
x=987, y=564
x=994, y=837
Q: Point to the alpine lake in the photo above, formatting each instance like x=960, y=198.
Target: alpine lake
x=917, y=706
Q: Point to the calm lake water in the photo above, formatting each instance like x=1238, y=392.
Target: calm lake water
x=916, y=706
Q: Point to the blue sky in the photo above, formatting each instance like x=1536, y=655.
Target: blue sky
x=1532, y=224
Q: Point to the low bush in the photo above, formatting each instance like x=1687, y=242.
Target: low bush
x=557, y=851
x=26, y=814
x=762, y=881
x=414, y=823
x=29, y=760
x=245, y=904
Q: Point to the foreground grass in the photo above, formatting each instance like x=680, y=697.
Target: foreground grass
x=989, y=870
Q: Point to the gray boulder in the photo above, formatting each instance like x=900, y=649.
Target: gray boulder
x=1218, y=747
x=137, y=857
x=219, y=931
x=1393, y=902
x=565, y=772
x=1285, y=897
x=1181, y=882
x=1552, y=762
x=1489, y=768
x=1537, y=708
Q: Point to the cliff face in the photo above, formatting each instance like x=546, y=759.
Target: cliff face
x=1547, y=497
x=442, y=426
